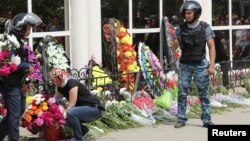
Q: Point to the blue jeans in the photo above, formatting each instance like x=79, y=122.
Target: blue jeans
x=15, y=101
x=79, y=114
x=201, y=78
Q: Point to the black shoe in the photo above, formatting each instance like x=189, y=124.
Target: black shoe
x=84, y=129
x=206, y=124
x=179, y=124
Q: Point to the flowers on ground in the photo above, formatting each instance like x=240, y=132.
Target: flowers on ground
x=41, y=112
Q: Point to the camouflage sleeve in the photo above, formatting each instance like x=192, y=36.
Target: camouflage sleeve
x=209, y=33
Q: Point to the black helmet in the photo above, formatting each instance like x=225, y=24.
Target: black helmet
x=192, y=6
x=21, y=21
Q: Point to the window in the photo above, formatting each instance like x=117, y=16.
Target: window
x=142, y=18
x=220, y=13
x=145, y=14
x=233, y=16
x=54, y=15
x=8, y=9
x=117, y=9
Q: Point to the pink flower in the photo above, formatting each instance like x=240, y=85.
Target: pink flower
x=13, y=67
x=51, y=101
x=36, y=75
x=52, y=117
x=6, y=68
x=39, y=122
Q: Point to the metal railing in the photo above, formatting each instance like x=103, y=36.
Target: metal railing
x=232, y=71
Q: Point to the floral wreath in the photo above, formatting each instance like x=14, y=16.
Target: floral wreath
x=56, y=56
x=157, y=68
x=143, y=52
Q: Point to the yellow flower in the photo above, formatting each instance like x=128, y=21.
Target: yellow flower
x=45, y=107
x=29, y=100
x=99, y=89
x=44, y=103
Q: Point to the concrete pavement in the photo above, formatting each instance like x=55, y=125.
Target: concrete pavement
x=193, y=131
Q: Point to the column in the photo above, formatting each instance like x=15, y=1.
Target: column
x=94, y=22
x=79, y=45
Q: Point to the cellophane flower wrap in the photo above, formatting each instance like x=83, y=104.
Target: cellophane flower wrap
x=8, y=62
x=42, y=112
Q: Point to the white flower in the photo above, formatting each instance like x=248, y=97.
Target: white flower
x=108, y=104
x=124, y=93
x=107, y=93
x=15, y=60
x=29, y=107
x=1, y=45
x=115, y=102
x=13, y=40
x=56, y=56
x=94, y=92
x=122, y=90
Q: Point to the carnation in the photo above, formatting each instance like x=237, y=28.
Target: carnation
x=41, y=112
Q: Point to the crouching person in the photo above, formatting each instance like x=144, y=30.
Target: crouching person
x=82, y=106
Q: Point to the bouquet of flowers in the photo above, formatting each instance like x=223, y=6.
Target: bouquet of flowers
x=42, y=112
x=8, y=62
x=36, y=75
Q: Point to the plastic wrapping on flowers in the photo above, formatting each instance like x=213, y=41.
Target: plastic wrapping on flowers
x=144, y=102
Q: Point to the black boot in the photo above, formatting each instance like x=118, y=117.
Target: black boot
x=84, y=129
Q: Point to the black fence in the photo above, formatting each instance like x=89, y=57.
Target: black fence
x=231, y=72
x=228, y=73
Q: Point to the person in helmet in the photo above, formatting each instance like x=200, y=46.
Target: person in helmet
x=11, y=86
x=192, y=36
x=82, y=106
